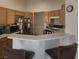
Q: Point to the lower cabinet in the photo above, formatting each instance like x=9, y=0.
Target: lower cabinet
x=5, y=42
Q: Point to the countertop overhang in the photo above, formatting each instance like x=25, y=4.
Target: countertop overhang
x=39, y=37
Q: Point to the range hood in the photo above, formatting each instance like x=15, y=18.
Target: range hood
x=55, y=17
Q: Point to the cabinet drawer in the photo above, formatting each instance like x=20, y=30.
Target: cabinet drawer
x=6, y=42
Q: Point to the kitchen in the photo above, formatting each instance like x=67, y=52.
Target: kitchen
x=14, y=20
x=12, y=23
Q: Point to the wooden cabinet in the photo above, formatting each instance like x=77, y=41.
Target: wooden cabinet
x=10, y=16
x=51, y=13
x=7, y=16
x=62, y=14
x=30, y=15
x=57, y=13
x=5, y=42
x=54, y=13
x=19, y=13
x=3, y=14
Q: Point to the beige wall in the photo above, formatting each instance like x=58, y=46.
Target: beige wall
x=43, y=5
x=13, y=4
x=71, y=20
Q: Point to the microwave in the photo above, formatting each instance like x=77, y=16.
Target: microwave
x=14, y=29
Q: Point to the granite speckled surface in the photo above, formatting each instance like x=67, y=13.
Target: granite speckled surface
x=37, y=37
x=3, y=35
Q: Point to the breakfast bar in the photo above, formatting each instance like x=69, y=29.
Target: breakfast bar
x=40, y=43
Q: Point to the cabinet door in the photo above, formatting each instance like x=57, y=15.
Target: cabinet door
x=62, y=15
x=51, y=13
x=57, y=12
x=19, y=13
x=10, y=16
x=54, y=13
x=6, y=43
x=3, y=16
x=30, y=15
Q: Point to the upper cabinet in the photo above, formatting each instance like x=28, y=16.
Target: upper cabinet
x=54, y=13
x=62, y=14
x=19, y=13
x=3, y=14
x=10, y=16
x=29, y=14
x=57, y=13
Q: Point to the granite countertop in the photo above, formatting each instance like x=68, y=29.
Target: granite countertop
x=38, y=37
x=3, y=35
